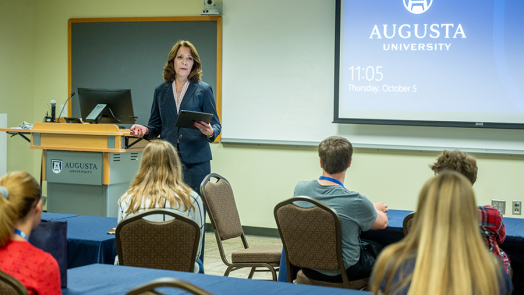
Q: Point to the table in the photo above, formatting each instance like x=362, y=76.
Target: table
x=117, y=279
x=513, y=245
x=56, y=216
x=87, y=238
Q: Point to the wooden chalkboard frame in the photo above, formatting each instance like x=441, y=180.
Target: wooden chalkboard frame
x=217, y=19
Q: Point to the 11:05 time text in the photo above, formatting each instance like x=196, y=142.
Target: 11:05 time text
x=368, y=73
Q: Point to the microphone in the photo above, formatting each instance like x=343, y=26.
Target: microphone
x=53, y=110
x=72, y=94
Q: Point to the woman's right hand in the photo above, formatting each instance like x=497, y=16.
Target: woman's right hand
x=138, y=130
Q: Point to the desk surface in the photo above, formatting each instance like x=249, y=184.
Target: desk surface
x=111, y=279
x=78, y=137
x=394, y=232
x=87, y=238
x=57, y=216
x=72, y=128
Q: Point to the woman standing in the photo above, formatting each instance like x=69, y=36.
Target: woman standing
x=20, y=213
x=444, y=252
x=183, y=90
x=159, y=184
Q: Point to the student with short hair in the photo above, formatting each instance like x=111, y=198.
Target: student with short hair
x=443, y=252
x=21, y=212
x=356, y=212
x=490, y=219
x=159, y=185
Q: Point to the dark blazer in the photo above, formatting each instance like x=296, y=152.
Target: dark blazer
x=194, y=145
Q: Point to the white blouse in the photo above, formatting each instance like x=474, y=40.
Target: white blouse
x=178, y=98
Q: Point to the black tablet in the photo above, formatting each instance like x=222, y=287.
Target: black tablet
x=187, y=119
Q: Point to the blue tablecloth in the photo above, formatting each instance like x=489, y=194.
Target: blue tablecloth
x=57, y=216
x=393, y=233
x=513, y=245
x=88, y=241
x=87, y=238
x=111, y=279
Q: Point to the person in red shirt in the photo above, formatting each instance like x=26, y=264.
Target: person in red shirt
x=20, y=212
x=490, y=219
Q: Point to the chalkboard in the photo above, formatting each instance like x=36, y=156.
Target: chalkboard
x=130, y=53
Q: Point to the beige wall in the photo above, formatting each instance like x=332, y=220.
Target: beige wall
x=36, y=55
x=262, y=176
x=17, y=33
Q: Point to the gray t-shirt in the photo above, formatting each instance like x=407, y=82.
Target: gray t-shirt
x=356, y=212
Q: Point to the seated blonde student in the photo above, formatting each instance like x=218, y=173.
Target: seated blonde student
x=20, y=213
x=356, y=212
x=490, y=219
x=159, y=184
x=444, y=252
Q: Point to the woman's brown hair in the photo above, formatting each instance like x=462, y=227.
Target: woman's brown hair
x=169, y=69
x=23, y=193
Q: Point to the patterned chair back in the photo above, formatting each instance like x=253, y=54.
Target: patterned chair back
x=10, y=285
x=222, y=209
x=149, y=288
x=407, y=223
x=311, y=235
x=170, y=245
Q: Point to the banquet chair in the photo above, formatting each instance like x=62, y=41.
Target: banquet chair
x=220, y=204
x=312, y=239
x=11, y=286
x=407, y=223
x=170, y=245
x=149, y=288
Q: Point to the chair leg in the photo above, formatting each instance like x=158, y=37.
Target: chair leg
x=251, y=272
x=272, y=269
x=228, y=270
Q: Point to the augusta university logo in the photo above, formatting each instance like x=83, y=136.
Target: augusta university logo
x=57, y=166
x=417, y=6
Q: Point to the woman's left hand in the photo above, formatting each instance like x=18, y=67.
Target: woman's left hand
x=205, y=128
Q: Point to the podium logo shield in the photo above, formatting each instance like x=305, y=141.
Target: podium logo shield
x=417, y=6
x=57, y=166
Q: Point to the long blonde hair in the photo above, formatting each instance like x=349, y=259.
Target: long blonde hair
x=159, y=179
x=23, y=193
x=445, y=240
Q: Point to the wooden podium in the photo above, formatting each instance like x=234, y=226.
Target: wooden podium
x=87, y=166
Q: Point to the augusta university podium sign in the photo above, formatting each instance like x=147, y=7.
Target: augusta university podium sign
x=76, y=181
x=75, y=167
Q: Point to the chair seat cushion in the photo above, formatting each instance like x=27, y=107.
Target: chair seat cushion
x=258, y=254
x=356, y=285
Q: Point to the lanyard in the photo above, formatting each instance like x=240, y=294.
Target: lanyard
x=331, y=179
x=22, y=234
